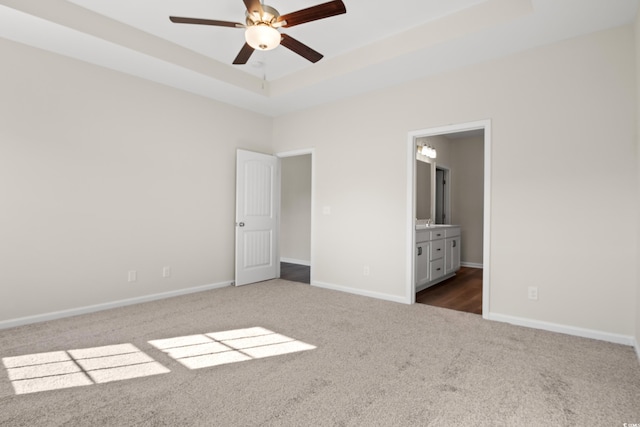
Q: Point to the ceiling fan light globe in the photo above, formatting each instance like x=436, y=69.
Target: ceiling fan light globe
x=262, y=37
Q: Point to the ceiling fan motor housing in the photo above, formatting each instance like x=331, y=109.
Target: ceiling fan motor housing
x=269, y=17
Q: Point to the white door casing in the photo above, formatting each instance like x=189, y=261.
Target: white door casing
x=257, y=204
x=485, y=125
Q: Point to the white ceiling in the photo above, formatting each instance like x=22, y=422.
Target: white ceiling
x=375, y=44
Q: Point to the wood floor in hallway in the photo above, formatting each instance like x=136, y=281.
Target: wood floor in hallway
x=295, y=272
x=463, y=292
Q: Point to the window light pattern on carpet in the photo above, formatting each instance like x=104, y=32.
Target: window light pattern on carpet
x=72, y=368
x=219, y=348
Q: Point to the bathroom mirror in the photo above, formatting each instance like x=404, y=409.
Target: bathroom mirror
x=425, y=194
x=432, y=191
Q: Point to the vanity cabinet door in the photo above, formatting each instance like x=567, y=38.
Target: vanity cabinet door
x=422, y=263
x=452, y=255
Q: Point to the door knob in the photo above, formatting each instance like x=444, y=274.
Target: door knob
x=240, y=224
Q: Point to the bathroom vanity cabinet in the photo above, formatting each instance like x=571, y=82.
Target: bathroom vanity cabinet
x=437, y=254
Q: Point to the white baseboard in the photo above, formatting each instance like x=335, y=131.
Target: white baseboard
x=361, y=292
x=637, y=347
x=471, y=264
x=564, y=329
x=11, y=323
x=296, y=261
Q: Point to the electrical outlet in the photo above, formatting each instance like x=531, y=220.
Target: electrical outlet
x=166, y=271
x=366, y=270
x=532, y=292
x=132, y=276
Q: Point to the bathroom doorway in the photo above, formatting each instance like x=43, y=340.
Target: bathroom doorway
x=442, y=196
x=450, y=173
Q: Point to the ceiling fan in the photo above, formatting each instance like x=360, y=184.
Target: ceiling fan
x=262, y=23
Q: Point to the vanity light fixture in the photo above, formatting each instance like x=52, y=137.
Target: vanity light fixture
x=429, y=151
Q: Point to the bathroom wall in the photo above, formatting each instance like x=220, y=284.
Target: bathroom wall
x=467, y=195
x=464, y=157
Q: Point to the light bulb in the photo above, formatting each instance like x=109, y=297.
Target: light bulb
x=262, y=37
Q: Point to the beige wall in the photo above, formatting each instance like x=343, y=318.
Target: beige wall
x=637, y=73
x=102, y=173
x=467, y=195
x=553, y=110
x=295, y=215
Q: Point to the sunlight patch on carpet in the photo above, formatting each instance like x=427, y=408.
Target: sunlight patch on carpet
x=219, y=348
x=55, y=370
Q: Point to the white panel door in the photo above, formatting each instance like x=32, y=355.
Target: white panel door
x=257, y=204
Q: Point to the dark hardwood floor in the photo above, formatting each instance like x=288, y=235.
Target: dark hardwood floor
x=462, y=292
x=295, y=272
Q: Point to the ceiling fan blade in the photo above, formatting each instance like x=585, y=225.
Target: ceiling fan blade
x=179, y=20
x=313, y=13
x=253, y=6
x=244, y=55
x=300, y=48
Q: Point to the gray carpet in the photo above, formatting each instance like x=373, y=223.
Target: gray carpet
x=375, y=363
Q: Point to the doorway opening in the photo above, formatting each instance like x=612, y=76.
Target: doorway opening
x=443, y=205
x=296, y=212
x=448, y=175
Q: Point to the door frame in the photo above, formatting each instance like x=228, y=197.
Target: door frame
x=411, y=205
x=294, y=153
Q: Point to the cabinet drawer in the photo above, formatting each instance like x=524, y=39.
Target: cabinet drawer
x=422, y=236
x=452, y=232
x=437, y=249
x=437, y=234
x=437, y=269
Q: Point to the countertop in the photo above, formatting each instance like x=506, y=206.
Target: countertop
x=434, y=226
